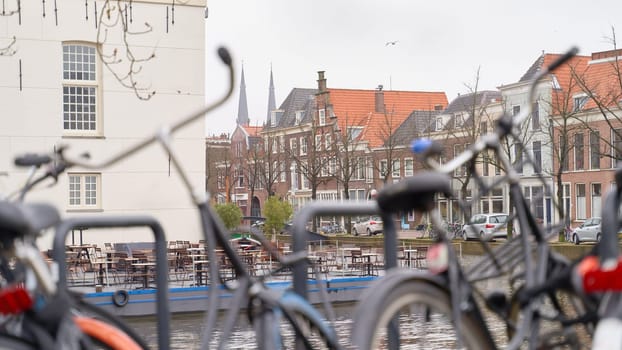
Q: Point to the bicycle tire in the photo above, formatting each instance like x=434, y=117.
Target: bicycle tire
x=106, y=335
x=101, y=314
x=386, y=299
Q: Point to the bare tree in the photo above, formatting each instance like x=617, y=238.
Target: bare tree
x=125, y=63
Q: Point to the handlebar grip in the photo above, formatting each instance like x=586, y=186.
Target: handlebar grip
x=224, y=55
x=32, y=160
x=426, y=147
x=563, y=58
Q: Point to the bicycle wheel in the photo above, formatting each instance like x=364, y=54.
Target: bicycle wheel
x=422, y=313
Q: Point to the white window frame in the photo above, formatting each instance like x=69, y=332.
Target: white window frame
x=458, y=120
x=580, y=208
x=409, y=165
x=318, y=142
x=299, y=116
x=283, y=172
x=327, y=141
x=303, y=146
x=82, y=191
x=383, y=167
x=439, y=124
x=293, y=145
x=396, y=170
x=596, y=198
x=322, y=116
x=73, y=81
x=369, y=170
x=578, y=102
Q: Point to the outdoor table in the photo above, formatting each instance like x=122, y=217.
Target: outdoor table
x=145, y=266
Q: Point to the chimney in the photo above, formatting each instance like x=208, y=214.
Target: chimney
x=379, y=100
x=321, y=81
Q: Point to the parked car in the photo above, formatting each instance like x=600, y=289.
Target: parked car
x=589, y=231
x=369, y=225
x=486, y=226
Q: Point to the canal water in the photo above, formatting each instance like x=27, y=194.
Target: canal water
x=186, y=329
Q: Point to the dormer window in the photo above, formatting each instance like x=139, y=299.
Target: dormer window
x=555, y=82
x=439, y=124
x=299, y=116
x=579, y=102
x=354, y=132
x=458, y=120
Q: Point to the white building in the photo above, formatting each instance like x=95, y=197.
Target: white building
x=55, y=89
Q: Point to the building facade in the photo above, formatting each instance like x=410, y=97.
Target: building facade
x=89, y=96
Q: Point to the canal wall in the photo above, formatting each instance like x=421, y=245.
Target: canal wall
x=566, y=249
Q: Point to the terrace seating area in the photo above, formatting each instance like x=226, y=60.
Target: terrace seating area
x=132, y=265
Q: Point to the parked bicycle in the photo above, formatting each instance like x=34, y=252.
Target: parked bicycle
x=532, y=283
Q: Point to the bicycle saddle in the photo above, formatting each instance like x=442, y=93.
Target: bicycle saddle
x=414, y=193
x=19, y=219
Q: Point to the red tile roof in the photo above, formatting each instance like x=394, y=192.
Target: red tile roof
x=567, y=82
x=252, y=130
x=357, y=108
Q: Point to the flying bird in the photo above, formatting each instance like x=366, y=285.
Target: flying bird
x=391, y=43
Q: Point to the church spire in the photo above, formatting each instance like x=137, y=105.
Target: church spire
x=242, y=105
x=271, y=99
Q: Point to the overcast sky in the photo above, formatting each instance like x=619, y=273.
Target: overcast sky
x=439, y=45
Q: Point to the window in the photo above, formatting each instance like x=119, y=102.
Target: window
x=80, y=89
x=303, y=145
x=283, y=174
x=439, y=124
x=354, y=132
x=555, y=82
x=564, y=157
x=84, y=191
x=518, y=157
x=395, y=168
x=327, y=141
x=294, y=176
x=239, y=177
x=457, y=151
x=485, y=164
x=537, y=156
x=324, y=167
x=594, y=150
x=578, y=152
x=483, y=128
x=535, y=200
x=332, y=170
x=322, y=116
x=616, y=141
x=299, y=116
x=596, y=199
x=318, y=142
x=579, y=102
x=384, y=167
x=580, y=193
x=275, y=145
x=515, y=110
x=535, y=116
x=566, y=198
x=369, y=170
x=458, y=120
x=359, y=171
x=408, y=167
x=293, y=146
